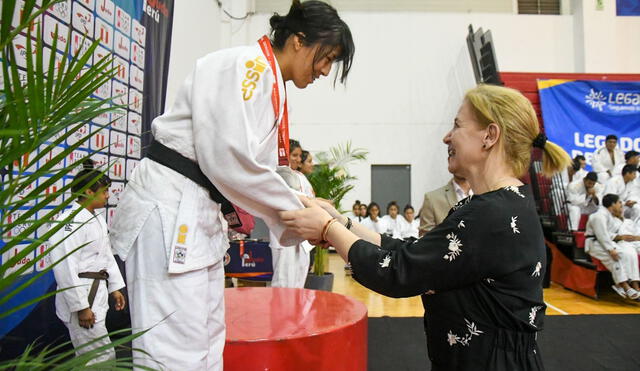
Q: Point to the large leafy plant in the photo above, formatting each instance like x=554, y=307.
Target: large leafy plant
x=40, y=107
x=331, y=180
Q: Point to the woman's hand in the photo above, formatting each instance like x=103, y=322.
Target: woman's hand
x=308, y=222
x=327, y=205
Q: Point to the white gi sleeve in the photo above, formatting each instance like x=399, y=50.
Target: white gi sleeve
x=601, y=232
x=227, y=145
x=596, y=161
x=69, y=238
x=575, y=196
x=116, y=282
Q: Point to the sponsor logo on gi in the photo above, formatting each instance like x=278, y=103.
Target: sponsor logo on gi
x=255, y=68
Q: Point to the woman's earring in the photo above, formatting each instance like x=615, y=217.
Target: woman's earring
x=484, y=146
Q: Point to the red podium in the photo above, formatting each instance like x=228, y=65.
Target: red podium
x=294, y=329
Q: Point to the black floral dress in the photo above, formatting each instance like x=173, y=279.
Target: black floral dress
x=480, y=276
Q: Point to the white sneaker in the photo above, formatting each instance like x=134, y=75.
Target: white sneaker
x=620, y=291
x=633, y=294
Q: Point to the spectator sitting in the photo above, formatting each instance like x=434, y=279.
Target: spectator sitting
x=355, y=211
x=608, y=160
x=632, y=158
x=584, y=198
x=373, y=221
x=364, y=213
x=392, y=220
x=620, y=259
x=437, y=203
x=624, y=186
x=409, y=224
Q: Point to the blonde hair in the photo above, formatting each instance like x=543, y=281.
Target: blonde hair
x=515, y=116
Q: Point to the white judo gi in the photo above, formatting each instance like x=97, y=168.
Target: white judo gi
x=379, y=226
x=393, y=225
x=602, y=227
x=291, y=263
x=580, y=203
x=626, y=192
x=223, y=118
x=408, y=229
x=604, y=166
x=86, y=228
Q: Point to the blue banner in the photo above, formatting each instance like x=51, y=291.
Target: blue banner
x=628, y=7
x=578, y=114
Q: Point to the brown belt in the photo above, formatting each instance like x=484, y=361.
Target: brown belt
x=97, y=277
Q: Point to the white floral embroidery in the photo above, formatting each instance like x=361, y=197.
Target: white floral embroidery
x=472, y=331
x=489, y=280
x=514, y=227
x=515, y=190
x=385, y=262
x=461, y=224
x=536, y=271
x=454, y=247
x=462, y=202
x=532, y=315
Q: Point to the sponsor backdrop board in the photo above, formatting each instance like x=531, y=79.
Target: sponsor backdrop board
x=579, y=114
x=138, y=34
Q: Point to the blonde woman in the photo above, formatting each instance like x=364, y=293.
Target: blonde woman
x=479, y=272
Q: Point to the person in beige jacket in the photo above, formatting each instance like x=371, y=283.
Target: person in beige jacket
x=437, y=203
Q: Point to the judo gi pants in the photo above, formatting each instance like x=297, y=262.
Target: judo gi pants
x=80, y=336
x=626, y=268
x=290, y=267
x=183, y=313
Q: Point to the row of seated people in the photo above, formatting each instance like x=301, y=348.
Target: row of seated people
x=403, y=226
x=584, y=193
x=614, y=241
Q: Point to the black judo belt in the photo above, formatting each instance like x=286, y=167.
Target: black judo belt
x=97, y=277
x=175, y=161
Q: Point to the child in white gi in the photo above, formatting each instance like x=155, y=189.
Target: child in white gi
x=90, y=272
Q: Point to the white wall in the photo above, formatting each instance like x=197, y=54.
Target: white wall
x=409, y=74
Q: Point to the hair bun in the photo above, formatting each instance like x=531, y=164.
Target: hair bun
x=277, y=21
x=88, y=164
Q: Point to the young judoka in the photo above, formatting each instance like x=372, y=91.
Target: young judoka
x=90, y=272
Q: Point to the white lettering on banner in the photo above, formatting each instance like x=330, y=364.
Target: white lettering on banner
x=139, y=32
x=88, y=3
x=135, y=123
x=118, y=143
x=49, y=35
x=115, y=190
x=131, y=165
x=116, y=170
x=133, y=146
x=20, y=50
x=62, y=11
x=136, y=77
x=123, y=69
x=82, y=20
x=49, y=156
x=121, y=45
x=123, y=21
x=135, y=100
x=119, y=120
x=105, y=9
x=592, y=141
x=22, y=262
x=624, y=98
x=104, y=32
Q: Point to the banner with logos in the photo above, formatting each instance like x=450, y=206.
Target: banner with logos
x=579, y=114
x=138, y=35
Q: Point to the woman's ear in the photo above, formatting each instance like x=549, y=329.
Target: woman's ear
x=492, y=136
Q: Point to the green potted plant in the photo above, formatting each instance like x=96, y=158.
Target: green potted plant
x=40, y=107
x=331, y=180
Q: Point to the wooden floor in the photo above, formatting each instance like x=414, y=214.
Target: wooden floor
x=559, y=300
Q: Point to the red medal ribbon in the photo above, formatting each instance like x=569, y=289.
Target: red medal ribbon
x=283, y=128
